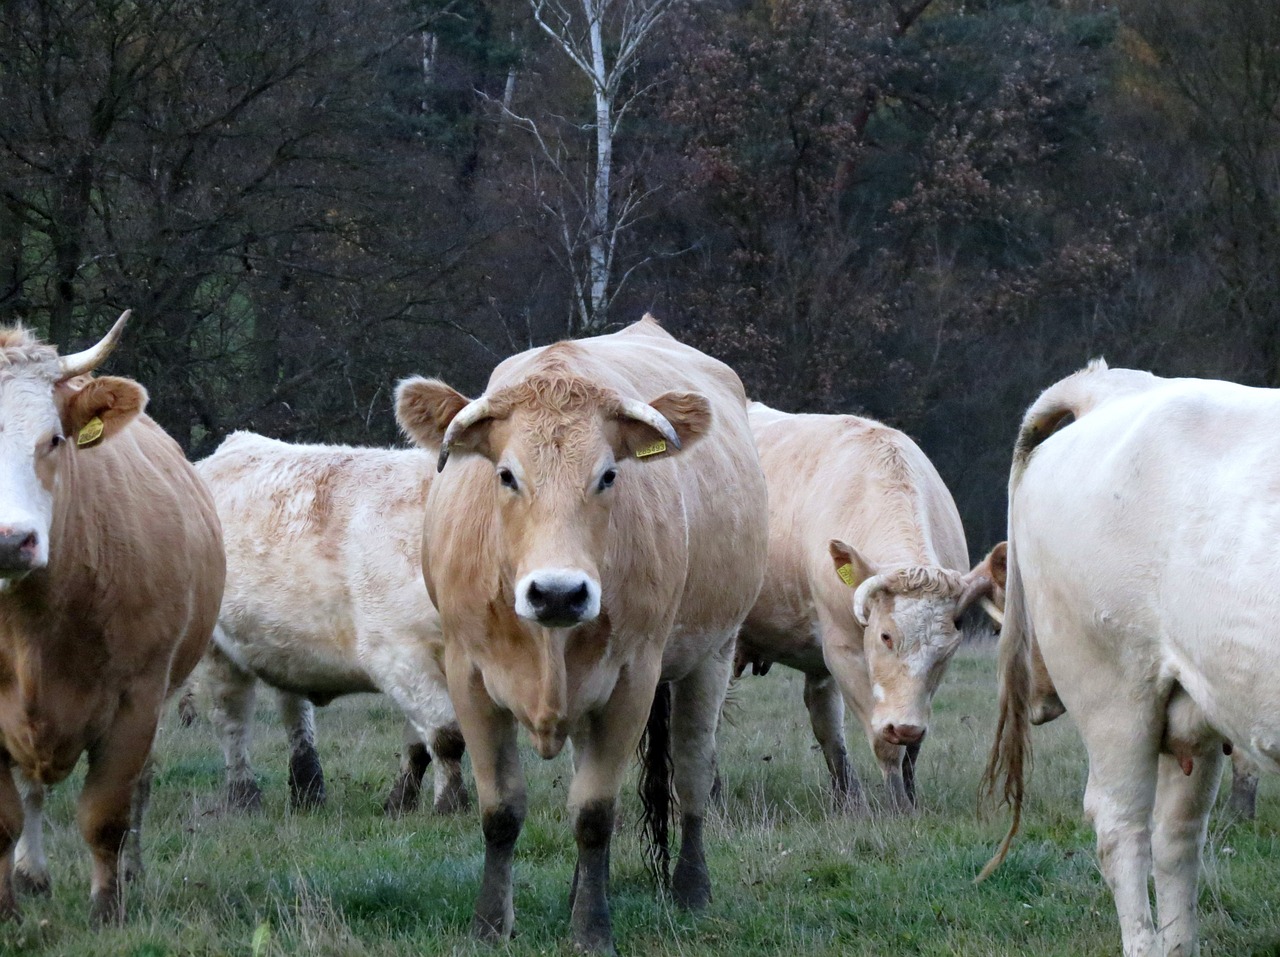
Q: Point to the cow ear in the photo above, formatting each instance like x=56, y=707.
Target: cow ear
x=852, y=568
x=996, y=564
x=688, y=413
x=100, y=407
x=424, y=409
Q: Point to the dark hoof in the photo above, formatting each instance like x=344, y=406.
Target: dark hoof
x=485, y=929
x=403, y=798
x=691, y=887
x=244, y=796
x=597, y=942
x=452, y=799
x=9, y=910
x=31, y=884
x=306, y=781
x=106, y=909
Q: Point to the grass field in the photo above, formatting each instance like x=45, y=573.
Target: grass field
x=789, y=877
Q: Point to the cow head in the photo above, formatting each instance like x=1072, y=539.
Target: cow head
x=562, y=449
x=48, y=404
x=910, y=618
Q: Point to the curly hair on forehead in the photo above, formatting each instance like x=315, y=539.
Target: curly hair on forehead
x=21, y=346
x=922, y=580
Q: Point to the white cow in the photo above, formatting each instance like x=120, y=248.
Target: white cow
x=325, y=597
x=1143, y=560
x=865, y=588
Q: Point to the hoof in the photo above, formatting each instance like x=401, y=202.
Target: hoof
x=306, y=781
x=453, y=799
x=244, y=796
x=106, y=909
x=34, y=885
x=403, y=798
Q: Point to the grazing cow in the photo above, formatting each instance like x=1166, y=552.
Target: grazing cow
x=863, y=591
x=1142, y=560
x=111, y=570
x=324, y=598
x=599, y=531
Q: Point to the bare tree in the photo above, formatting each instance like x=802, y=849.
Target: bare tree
x=603, y=40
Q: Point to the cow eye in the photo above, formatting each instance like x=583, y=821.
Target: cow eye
x=56, y=440
x=607, y=479
x=887, y=639
x=508, y=479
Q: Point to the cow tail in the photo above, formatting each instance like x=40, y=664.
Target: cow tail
x=655, y=783
x=1010, y=757
x=1009, y=762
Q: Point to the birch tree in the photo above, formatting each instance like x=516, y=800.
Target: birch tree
x=603, y=41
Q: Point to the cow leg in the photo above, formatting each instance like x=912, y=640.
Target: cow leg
x=1243, y=800
x=231, y=693
x=826, y=715
x=414, y=759
x=603, y=746
x=910, y=755
x=696, y=701
x=137, y=810
x=1181, y=818
x=105, y=809
x=450, y=790
x=10, y=829
x=495, y=761
x=31, y=867
x=306, y=776
x=1118, y=800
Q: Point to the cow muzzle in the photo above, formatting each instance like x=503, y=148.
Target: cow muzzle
x=558, y=598
x=20, y=550
x=903, y=734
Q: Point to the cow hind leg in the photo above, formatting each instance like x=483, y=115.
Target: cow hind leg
x=825, y=704
x=132, y=863
x=306, y=776
x=231, y=693
x=10, y=829
x=1118, y=800
x=31, y=866
x=414, y=760
x=695, y=711
x=1181, y=818
x=450, y=789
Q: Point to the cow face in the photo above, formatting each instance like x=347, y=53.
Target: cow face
x=562, y=450
x=910, y=620
x=46, y=403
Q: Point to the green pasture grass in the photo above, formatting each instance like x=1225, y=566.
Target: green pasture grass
x=790, y=877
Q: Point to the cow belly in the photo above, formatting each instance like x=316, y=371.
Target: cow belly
x=45, y=738
x=798, y=649
x=293, y=661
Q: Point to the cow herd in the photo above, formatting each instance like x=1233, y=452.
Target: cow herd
x=606, y=536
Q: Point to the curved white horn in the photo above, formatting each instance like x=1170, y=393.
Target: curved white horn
x=993, y=611
x=81, y=362
x=862, y=597
x=643, y=412
x=975, y=587
x=467, y=416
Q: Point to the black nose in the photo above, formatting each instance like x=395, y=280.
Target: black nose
x=17, y=549
x=558, y=605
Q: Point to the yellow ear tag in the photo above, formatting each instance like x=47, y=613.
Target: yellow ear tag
x=91, y=432
x=653, y=448
x=846, y=574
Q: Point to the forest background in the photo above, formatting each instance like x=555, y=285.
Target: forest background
x=924, y=211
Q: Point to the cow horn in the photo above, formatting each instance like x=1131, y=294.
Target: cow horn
x=467, y=416
x=81, y=362
x=643, y=412
x=862, y=597
x=993, y=611
x=975, y=587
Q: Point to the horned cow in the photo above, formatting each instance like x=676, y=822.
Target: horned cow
x=111, y=570
x=593, y=544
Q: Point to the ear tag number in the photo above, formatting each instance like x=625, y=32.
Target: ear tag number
x=653, y=448
x=845, y=572
x=91, y=432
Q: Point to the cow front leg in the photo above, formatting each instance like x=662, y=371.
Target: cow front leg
x=31, y=866
x=825, y=704
x=306, y=775
x=1243, y=799
x=890, y=757
x=695, y=709
x=10, y=829
x=105, y=809
x=1181, y=818
x=132, y=860
x=490, y=734
x=231, y=695
x=603, y=746
x=450, y=789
